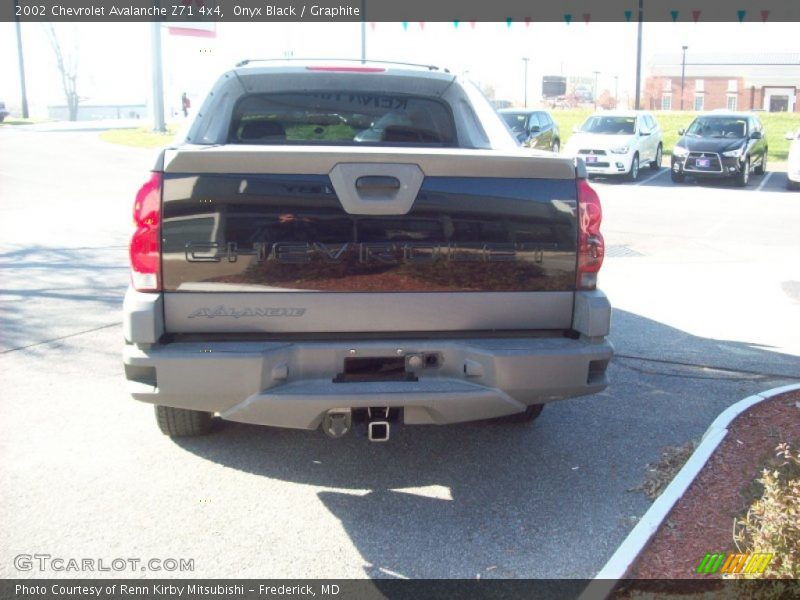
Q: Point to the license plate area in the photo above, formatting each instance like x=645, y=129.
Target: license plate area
x=591, y=159
x=704, y=163
x=374, y=368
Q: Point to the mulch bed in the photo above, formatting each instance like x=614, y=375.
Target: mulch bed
x=702, y=520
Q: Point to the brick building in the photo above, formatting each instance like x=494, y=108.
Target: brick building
x=769, y=82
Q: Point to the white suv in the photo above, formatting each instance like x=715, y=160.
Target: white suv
x=617, y=143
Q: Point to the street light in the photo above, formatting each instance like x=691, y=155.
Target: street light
x=525, y=59
x=683, y=72
x=596, y=73
x=616, y=91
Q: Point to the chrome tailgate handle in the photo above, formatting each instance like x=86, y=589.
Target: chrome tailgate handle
x=377, y=183
x=376, y=188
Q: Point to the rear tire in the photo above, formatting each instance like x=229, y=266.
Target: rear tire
x=555, y=147
x=531, y=413
x=181, y=422
x=743, y=176
x=677, y=177
x=792, y=185
x=633, y=174
x=656, y=164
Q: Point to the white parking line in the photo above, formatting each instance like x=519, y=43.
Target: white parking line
x=660, y=172
x=764, y=181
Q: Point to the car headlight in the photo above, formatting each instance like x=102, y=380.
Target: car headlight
x=734, y=153
x=620, y=150
x=680, y=151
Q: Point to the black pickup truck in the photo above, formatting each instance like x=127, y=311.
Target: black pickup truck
x=342, y=244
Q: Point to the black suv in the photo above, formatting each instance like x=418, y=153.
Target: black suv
x=533, y=128
x=721, y=145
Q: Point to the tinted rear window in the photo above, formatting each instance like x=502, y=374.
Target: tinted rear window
x=337, y=118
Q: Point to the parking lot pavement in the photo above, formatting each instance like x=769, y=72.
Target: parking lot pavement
x=701, y=281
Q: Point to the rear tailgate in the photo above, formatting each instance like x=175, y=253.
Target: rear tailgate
x=318, y=239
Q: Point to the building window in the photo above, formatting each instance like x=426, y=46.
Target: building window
x=731, y=102
x=666, y=102
x=699, y=102
x=733, y=85
x=699, y=86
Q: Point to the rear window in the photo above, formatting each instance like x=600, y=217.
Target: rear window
x=340, y=118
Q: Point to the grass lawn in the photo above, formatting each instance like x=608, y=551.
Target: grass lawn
x=16, y=121
x=139, y=138
x=775, y=124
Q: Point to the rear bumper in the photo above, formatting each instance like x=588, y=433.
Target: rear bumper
x=290, y=384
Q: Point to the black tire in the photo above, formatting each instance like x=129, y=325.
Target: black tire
x=656, y=164
x=792, y=185
x=633, y=174
x=181, y=422
x=677, y=177
x=762, y=168
x=529, y=414
x=556, y=147
x=743, y=176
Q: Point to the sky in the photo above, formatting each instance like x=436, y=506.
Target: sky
x=115, y=58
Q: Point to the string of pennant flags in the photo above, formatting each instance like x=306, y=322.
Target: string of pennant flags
x=569, y=18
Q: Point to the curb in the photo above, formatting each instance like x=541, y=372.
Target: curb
x=629, y=549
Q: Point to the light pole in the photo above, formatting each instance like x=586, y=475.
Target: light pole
x=525, y=59
x=616, y=91
x=596, y=73
x=23, y=87
x=639, y=55
x=683, y=72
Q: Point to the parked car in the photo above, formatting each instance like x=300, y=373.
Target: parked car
x=721, y=145
x=533, y=128
x=618, y=143
x=793, y=164
x=3, y=112
x=284, y=273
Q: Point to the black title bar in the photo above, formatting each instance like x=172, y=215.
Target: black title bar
x=577, y=12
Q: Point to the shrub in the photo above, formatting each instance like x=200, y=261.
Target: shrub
x=772, y=524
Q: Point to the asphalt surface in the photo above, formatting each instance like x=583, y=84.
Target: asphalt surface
x=706, y=289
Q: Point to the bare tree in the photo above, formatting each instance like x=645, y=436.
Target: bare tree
x=67, y=64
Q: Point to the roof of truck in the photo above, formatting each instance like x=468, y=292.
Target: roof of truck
x=288, y=65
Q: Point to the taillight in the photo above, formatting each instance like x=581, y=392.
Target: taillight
x=334, y=69
x=145, y=250
x=591, y=247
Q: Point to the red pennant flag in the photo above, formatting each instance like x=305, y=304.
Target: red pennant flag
x=764, y=15
x=696, y=15
x=527, y=21
x=586, y=17
x=472, y=24
x=422, y=25
x=372, y=25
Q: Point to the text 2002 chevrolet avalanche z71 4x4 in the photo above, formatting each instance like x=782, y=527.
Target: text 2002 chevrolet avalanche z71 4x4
x=337, y=245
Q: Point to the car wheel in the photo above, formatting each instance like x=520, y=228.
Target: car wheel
x=743, y=176
x=633, y=174
x=677, y=177
x=555, y=147
x=792, y=185
x=762, y=168
x=181, y=422
x=529, y=414
x=656, y=164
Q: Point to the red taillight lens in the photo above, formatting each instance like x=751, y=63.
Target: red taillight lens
x=591, y=247
x=335, y=69
x=145, y=250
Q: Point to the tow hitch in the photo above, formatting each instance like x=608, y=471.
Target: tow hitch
x=378, y=428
